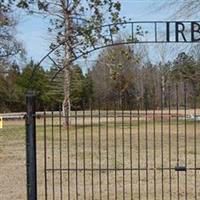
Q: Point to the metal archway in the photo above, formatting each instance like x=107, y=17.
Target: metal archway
x=156, y=32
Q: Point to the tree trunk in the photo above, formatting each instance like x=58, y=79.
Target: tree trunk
x=68, y=29
x=66, y=107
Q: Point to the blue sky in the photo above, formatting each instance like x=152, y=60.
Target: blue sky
x=32, y=31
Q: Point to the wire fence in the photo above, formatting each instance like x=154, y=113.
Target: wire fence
x=122, y=153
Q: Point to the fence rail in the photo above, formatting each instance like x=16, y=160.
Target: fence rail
x=121, y=153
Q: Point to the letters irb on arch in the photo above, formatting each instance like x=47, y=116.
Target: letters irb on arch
x=184, y=31
x=156, y=31
x=165, y=31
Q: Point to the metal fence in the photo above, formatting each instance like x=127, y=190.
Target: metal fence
x=122, y=152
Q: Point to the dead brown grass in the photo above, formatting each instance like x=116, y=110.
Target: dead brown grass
x=12, y=159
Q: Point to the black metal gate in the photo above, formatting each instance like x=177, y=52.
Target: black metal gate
x=121, y=152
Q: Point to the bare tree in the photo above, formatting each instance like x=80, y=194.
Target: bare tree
x=9, y=45
x=195, y=51
x=186, y=8
x=115, y=74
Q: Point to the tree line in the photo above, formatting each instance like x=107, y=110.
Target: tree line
x=119, y=76
x=127, y=78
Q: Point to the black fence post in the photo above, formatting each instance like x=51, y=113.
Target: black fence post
x=31, y=147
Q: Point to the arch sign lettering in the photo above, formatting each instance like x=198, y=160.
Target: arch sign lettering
x=137, y=32
x=173, y=31
x=181, y=32
x=161, y=31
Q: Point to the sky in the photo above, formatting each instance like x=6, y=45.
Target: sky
x=32, y=30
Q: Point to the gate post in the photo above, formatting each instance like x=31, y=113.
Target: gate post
x=31, y=166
